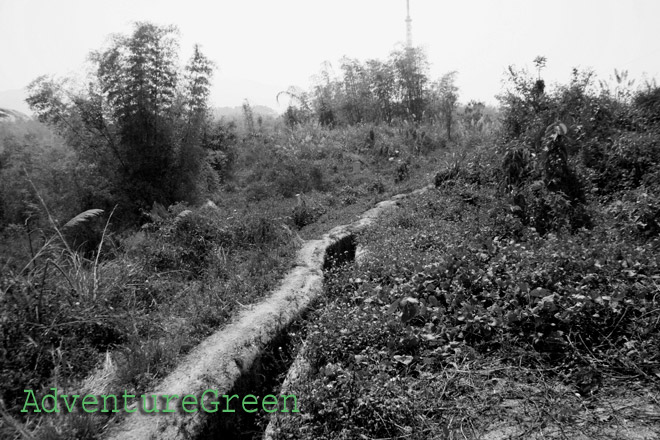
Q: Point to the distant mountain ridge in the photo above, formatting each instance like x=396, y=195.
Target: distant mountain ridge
x=234, y=112
x=15, y=99
x=7, y=115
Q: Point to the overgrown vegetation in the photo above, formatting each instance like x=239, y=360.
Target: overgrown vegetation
x=160, y=290
x=519, y=298
x=113, y=301
x=532, y=265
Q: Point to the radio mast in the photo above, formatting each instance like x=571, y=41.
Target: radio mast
x=408, y=26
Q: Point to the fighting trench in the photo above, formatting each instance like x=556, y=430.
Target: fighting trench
x=269, y=369
x=252, y=353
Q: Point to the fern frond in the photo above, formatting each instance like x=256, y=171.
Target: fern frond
x=83, y=217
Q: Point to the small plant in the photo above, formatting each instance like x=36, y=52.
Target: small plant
x=402, y=171
x=305, y=213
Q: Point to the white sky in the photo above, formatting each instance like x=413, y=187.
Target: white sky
x=263, y=46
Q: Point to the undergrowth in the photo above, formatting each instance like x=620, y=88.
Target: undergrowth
x=460, y=310
x=119, y=310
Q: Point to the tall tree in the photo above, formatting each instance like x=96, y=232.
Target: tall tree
x=410, y=67
x=138, y=77
x=193, y=124
x=357, y=99
x=447, y=96
x=325, y=96
x=198, y=76
x=139, y=119
x=382, y=86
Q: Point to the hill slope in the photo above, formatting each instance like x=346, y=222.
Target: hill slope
x=7, y=115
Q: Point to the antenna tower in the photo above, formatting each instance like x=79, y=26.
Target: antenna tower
x=408, y=26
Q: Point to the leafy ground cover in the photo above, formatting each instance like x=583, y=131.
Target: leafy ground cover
x=519, y=299
x=463, y=322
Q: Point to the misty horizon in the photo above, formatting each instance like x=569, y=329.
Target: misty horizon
x=261, y=49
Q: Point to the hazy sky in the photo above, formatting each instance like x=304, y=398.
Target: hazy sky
x=264, y=46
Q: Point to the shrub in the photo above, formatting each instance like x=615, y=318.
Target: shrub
x=377, y=187
x=183, y=241
x=625, y=163
x=306, y=213
x=348, y=195
x=549, y=211
x=647, y=105
x=402, y=171
x=545, y=191
x=637, y=212
x=257, y=191
x=473, y=167
x=220, y=142
x=186, y=241
x=293, y=176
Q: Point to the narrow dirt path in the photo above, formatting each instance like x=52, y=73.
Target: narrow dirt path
x=222, y=358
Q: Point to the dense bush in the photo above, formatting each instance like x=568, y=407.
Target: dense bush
x=647, y=105
x=221, y=142
x=562, y=140
x=292, y=177
x=474, y=166
x=606, y=139
x=29, y=151
x=626, y=162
